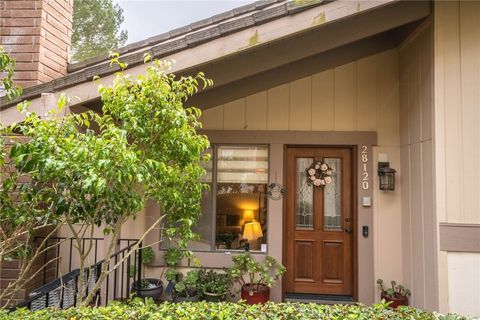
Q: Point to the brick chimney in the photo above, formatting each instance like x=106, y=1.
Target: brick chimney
x=36, y=33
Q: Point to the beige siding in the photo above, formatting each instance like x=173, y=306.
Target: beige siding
x=345, y=117
x=359, y=96
x=457, y=144
x=323, y=101
x=419, y=226
x=457, y=30
x=464, y=283
x=277, y=107
x=256, y=111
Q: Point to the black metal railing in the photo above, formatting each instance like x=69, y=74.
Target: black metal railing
x=59, y=245
x=62, y=292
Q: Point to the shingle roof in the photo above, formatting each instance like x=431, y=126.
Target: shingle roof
x=173, y=41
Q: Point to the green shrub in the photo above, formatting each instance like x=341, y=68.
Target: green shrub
x=148, y=255
x=187, y=285
x=214, y=282
x=140, y=310
x=264, y=273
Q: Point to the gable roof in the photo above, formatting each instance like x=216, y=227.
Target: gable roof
x=179, y=39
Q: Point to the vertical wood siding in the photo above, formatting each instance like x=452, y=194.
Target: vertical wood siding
x=419, y=226
x=457, y=144
x=359, y=96
x=457, y=114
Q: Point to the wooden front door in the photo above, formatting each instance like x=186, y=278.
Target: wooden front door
x=319, y=224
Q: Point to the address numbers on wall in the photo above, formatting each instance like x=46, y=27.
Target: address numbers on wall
x=365, y=177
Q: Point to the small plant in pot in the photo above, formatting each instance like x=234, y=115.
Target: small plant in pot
x=397, y=294
x=146, y=287
x=261, y=276
x=186, y=286
x=214, y=285
x=172, y=258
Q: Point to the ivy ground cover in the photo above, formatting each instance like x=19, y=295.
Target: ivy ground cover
x=140, y=310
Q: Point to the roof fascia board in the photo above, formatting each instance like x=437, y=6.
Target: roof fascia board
x=311, y=43
x=194, y=26
x=241, y=42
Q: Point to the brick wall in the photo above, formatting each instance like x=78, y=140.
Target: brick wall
x=10, y=270
x=37, y=35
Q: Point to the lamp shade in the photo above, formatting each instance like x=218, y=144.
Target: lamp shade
x=252, y=231
x=248, y=215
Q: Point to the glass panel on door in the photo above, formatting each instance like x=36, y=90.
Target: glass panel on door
x=332, y=204
x=304, y=196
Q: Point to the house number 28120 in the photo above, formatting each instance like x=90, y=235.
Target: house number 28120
x=365, y=177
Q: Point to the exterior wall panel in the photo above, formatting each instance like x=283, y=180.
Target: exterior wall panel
x=300, y=108
x=419, y=223
x=464, y=282
x=359, y=96
x=277, y=107
x=323, y=101
x=457, y=146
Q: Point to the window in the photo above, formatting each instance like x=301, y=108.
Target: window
x=235, y=208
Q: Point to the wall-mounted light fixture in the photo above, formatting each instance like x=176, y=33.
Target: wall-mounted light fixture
x=386, y=176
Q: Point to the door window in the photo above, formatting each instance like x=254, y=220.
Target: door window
x=304, y=196
x=332, y=203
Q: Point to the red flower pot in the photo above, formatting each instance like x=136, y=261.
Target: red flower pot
x=396, y=301
x=260, y=296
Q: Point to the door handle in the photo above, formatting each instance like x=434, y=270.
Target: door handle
x=348, y=230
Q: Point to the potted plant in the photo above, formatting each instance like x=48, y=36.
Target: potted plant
x=186, y=287
x=172, y=258
x=214, y=285
x=261, y=277
x=146, y=287
x=397, y=294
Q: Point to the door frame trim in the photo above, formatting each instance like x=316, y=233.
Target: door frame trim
x=354, y=158
x=277, y=139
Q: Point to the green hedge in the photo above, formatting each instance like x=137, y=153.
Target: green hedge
x=140, y=310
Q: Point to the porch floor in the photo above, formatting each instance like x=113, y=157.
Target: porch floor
x=318, y=298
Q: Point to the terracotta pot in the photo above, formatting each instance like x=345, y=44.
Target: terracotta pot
x=260, y=296
x=402, y=301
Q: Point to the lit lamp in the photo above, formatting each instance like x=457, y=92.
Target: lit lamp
x=248, y=216
x=252, y=231
x=386, y=176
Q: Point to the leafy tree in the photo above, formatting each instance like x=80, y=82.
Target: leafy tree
x=25, y=203
x=7, y=86
x=25, y=209
x=104, y=167
x=94, y=175
x=96, y=28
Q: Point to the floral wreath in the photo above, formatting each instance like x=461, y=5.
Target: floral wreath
x=319, y=174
